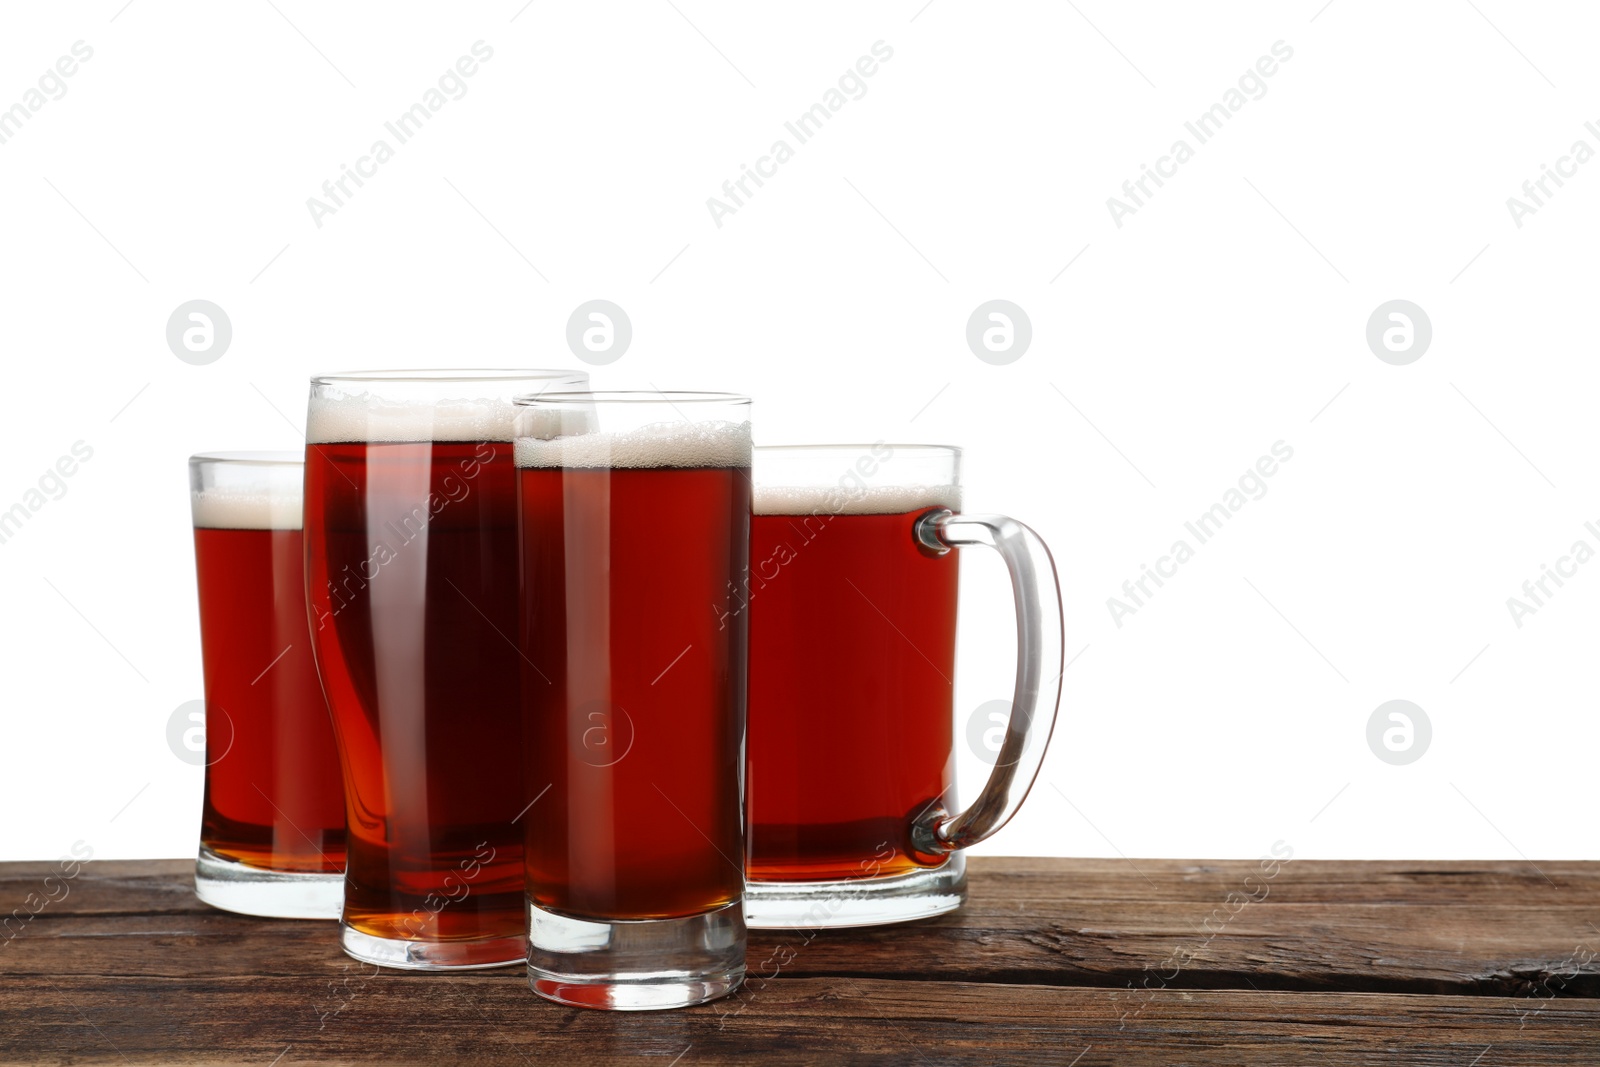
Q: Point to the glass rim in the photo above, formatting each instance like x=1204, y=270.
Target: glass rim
x=258, y=458
x=451, y=374
x=857, y=449
x=631, y=396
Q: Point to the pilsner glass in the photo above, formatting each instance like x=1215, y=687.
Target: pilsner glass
x=272, y=826
x=635, y=526
x=852, y=606
x=411, y=571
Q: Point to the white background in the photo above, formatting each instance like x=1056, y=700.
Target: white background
x=1169, y=353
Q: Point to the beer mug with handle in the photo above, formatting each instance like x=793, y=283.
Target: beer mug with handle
x=851, y=607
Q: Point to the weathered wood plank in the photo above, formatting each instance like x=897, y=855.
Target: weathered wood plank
x=494, y=1019
x=1479, y=929
x=1053, y=960
x=147, y=886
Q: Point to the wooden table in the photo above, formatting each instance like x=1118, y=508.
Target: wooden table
x=1064, y=962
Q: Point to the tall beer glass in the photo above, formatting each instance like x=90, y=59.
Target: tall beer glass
x=272, y=825
x=852, y=606
x=411, y=550
x=635, y=511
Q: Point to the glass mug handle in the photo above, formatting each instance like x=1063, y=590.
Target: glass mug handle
x=1039, y=667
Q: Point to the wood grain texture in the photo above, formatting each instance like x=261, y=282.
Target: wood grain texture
x=1142, y=962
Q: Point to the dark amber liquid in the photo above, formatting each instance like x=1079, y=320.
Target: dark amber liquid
x=272, y=797
x=412, y=584
x=635, y=713
x=852, y=656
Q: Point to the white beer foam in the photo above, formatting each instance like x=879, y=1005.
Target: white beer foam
x=218, y=509
x=656, y=444
x=364, y=417
x=845, y=499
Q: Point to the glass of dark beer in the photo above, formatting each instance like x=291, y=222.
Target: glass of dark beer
x=272, y=823
x=635, y=520
x=852, y=613
x=411, y=577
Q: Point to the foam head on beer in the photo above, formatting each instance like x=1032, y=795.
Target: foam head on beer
x=268, y=500
x=352, y=417
x=846, y=480
x=652, y=445
x=853, y=499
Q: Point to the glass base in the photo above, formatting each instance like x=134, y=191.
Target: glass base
x=234, y=886
x=642, y=965
x=857, y=901
x=407, y=955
